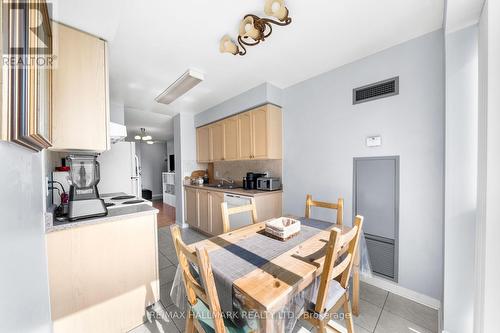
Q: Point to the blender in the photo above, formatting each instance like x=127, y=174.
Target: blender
x=84, y=201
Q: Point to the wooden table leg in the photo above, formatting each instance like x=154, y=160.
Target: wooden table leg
x=267, y=323
x=355, y=285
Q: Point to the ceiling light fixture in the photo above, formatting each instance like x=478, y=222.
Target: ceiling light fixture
x=150, y=142
x=254, y=29
x=181, y=86
x=143, y=136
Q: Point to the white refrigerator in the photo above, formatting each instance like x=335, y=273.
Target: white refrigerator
x=120, y=170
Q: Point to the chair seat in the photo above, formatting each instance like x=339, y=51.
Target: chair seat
x=335, y=292
x=203, y=315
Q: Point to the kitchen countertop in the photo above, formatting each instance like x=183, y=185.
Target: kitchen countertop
x=116, y=214
x=237, y=191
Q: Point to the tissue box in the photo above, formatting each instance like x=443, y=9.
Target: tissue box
x=282, y=228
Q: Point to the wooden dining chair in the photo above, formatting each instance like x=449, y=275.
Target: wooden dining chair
x=227, y=212
x=333, y=284
x=205, y=313
x=339, y=206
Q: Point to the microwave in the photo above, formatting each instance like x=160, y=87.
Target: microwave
x=268, y=184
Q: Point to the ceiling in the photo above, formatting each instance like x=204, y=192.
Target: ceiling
x=159, y=126
x=153, y=42
x=462, y=13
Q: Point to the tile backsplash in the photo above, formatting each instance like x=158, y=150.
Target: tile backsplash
x=238, y=169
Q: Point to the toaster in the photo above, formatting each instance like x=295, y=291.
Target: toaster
x=268, y=184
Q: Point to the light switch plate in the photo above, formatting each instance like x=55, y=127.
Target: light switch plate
x=374, y=141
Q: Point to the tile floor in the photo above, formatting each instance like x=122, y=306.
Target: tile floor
x=381, y=311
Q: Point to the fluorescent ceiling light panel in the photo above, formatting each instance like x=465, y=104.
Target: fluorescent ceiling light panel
x=181, y=86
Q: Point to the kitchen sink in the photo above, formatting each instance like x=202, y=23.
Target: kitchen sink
x=225, y=186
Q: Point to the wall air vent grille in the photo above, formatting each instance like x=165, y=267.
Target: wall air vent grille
x=386, y=88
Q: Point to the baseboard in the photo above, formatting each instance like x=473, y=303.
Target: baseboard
x=157, y=196
x=402, y=291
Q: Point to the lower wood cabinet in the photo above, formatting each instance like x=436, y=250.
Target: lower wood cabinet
x=103, y=276
x=215, y=199
x=203, y=208
x=192, y=207
x=204, y=221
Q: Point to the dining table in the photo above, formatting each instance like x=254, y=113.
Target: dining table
x=268, y=277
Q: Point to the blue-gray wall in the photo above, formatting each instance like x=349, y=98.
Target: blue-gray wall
x=24, y=290
x=323, y=132
x=262, y=94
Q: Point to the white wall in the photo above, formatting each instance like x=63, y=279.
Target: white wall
x=24, y=291
x=153, y=163
x=461, y=179
x=323, y=132
x=487, y=290
x=185, y=158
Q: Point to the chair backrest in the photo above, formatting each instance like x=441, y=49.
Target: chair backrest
x=227, y=212
x=339, y=206
x=195, y=290
x=340, y=270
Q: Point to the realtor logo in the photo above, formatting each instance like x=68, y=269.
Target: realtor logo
x=17, y=13
x=26, y=33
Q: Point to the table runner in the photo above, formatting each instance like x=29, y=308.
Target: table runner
x=238, y=259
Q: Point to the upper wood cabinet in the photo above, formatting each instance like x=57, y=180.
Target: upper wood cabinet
x=80, y=91
x=255, y=134
x=245, y=135
x=203, y=144
x=231, y=138
x=260, y=132
x=217, y=141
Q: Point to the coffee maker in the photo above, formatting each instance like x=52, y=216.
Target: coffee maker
x=84, y=201
x=250, y=181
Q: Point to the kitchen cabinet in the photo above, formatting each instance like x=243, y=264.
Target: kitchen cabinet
x=203, y=207
x=192, y=207
x=231, y=139
x=259, y=132
x=216, y=198
x=255, y=134
x=103, y=276
x=80, y=92
x=203, y=144
x=245, y=135
x=203, y=210
x=217, y=141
